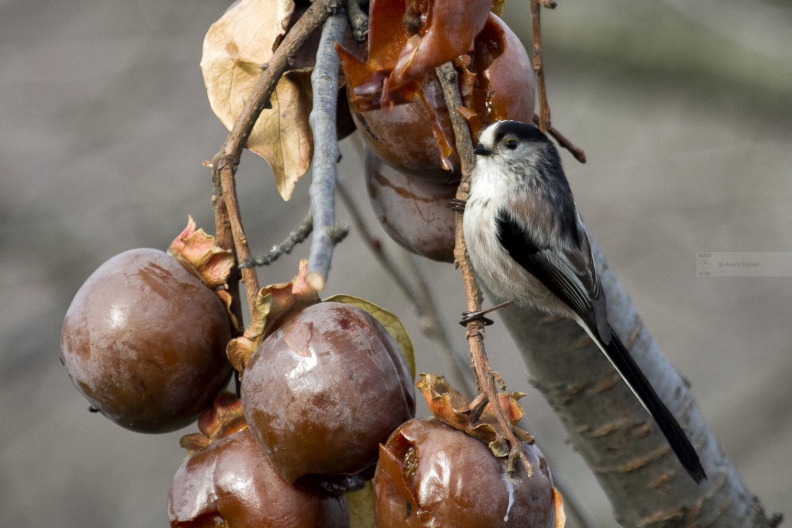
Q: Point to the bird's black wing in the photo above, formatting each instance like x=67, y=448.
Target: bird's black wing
x=568, y=273
x=570, y=276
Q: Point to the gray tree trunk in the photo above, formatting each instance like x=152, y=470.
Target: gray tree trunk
x=617, y=438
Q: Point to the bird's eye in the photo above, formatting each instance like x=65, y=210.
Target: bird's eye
x=511, y=144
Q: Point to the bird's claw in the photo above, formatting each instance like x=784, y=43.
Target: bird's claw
x=467, y=317
x=458, y=205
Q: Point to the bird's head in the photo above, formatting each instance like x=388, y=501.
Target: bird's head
x=518, y=151
x=511, y=140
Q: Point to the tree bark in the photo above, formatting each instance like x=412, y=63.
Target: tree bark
x=615, y=435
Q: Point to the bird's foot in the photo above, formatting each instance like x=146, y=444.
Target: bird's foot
x=458, y=205
x=479, y=315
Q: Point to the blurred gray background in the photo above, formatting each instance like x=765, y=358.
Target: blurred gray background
x=682, y=107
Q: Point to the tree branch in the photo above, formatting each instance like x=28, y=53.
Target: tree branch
x=358, y=20
x=298, y=236
x=324, y=81
x=577, y=152
x=228, y=219
x=544, y=109
x=610, y=429
x=486, y=379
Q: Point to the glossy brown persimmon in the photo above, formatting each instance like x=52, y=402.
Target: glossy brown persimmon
x=430, y=474
x=497, y=84
x=144, y=341
x=324, y=390
x=415, y=213
x=232, y=484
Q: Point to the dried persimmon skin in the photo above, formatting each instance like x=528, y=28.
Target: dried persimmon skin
x=232, y=484
x=448, y=30
x=412, y=131
x=434, y=475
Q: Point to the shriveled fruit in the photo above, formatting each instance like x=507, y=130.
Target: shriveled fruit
x=430, y=474
x=232, y=484
x=324, y=390
x=144, y=341
x=415, y=213
x=496, y=82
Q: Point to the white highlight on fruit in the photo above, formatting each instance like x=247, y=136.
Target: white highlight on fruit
x=117, y=318
x=510, y=489
x=305, y=364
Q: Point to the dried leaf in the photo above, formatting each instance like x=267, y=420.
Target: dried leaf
x=558, y=500
x=452, y=408
x=446, y=32
x=273, y=304
x=234, y=49
x=224, y=418
x=361, y=507
x=391, y=323
x=201, y=256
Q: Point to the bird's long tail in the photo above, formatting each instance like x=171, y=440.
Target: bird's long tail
x=620, y=357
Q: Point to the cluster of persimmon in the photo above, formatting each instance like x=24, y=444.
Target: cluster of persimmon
x=326, y=400
x=396, y=102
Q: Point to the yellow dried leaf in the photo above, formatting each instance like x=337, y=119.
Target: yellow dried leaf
x=558, y=501
x=361, y=507
x=391, y=323
x=234, y=49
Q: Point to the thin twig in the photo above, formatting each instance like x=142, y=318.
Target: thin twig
x=486, y=378
x=358, y=20
x=577, y=152
x=324, y=81
x=228, y=218
x=298, y=236
x=225, y=239
x=544, y=109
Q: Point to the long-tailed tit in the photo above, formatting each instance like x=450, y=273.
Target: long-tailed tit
x=527, y=245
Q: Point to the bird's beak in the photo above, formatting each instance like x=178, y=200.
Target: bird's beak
x=481, y=150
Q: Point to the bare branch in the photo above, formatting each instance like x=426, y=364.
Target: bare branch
x=324, y=81
x=544, y=109
x=298, y=236
x=577, y=152
x=358, y=20
x=642, y=477
x=433, y=327
x=228, y=218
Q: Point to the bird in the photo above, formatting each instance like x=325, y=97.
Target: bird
x=528, y=246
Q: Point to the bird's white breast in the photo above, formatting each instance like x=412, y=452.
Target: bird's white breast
x=494, y=267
